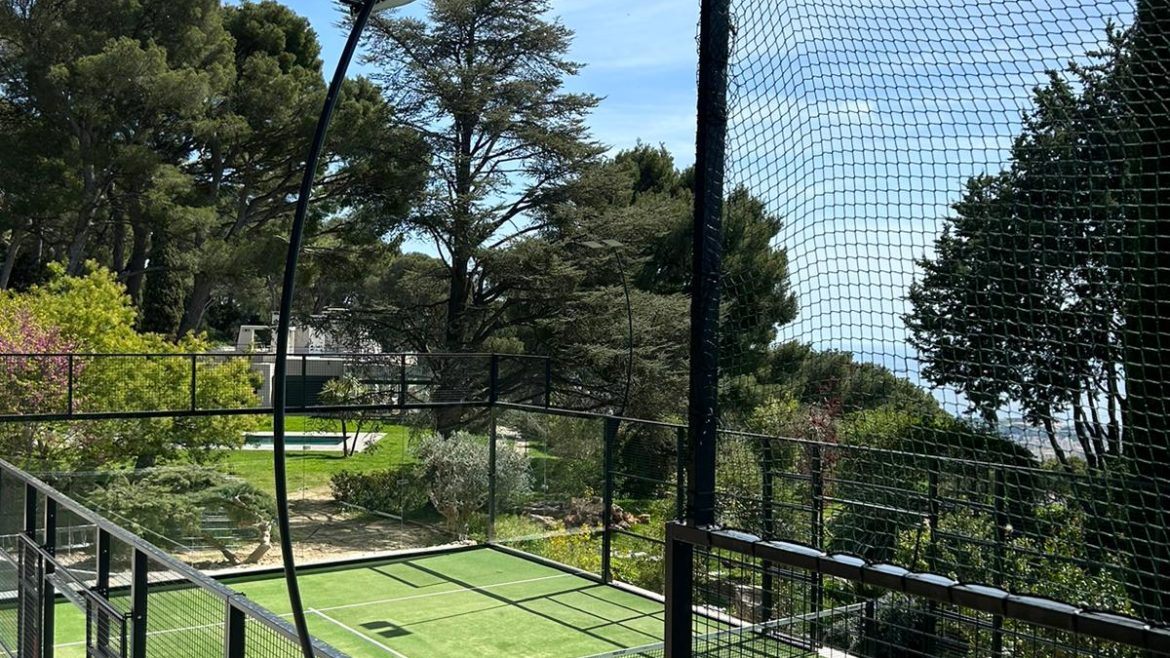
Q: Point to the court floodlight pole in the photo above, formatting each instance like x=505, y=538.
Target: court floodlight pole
x=362, y=11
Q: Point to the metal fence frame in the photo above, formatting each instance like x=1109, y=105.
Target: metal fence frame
x=402, y=363
x=41, y=505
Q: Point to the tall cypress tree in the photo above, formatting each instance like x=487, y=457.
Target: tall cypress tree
x=166, y=286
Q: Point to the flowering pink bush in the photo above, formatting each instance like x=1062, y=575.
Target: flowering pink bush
x=34, y=371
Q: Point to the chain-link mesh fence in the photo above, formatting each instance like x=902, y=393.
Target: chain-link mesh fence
x=71, y=578
x=950, y=354
x=755, y=598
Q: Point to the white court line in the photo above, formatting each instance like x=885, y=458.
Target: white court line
x=348, y=606
x=358, y=633
x=443, y=593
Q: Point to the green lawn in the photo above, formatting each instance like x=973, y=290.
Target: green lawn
x=309, y=469
x=481, y=603
x=322, y=424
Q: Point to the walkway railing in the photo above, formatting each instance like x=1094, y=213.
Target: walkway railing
x=137, y=601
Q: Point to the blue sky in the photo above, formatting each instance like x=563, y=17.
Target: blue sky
x=858, y=121
x=640, y=56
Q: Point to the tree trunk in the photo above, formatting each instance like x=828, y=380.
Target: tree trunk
x=10, y=258
x=135, y=267
x=196, y=304
x=265, y=530
x=452, y=380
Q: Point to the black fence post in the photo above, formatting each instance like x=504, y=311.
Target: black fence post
x=680, y=575
x=869, y=627
x=817, y=495
x=194, y=370
x=29, y=638
x=402, y=380
x=304, y=381
x=703, y=411
x=609, y=438
x=69, y=388
x=493, y=454
x=139, y=585
x=932, y=512
x=102, y=589
x=234, y=632
x=767, y=494
x=547, y=382
x=1001, y=529
x=494, y=379
x=48, y=597
x=680, y=473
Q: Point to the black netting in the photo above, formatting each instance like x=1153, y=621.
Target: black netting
x=954, y=359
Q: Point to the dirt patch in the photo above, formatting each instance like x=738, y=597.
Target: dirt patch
x=323, y=530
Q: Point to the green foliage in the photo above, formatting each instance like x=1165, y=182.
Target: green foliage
x=401, y=490
x=170, y=504
x=456, y=471
x=1022, y=301
x=94, y=314
x=162, y=301
x=569, y=461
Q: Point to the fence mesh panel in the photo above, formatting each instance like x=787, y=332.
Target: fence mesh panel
x=953, y=357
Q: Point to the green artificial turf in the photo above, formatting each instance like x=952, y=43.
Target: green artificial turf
x=482, y=603
x=310, y=469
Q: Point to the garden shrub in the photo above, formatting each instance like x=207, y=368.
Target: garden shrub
x=456, y=471
x=394, y=490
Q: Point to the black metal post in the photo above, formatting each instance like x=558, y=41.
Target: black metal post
x=101, y=587
x=234, y=633
x=194, y=368
x=402, y=381
x=139, y=589
x=1001, y=536
x=680, y=575
x=69, y=386
x=767, y=487
x=48, y=598
x=680, y=473
x=931, y=626
x=714, y=46
x=492, y=456
x=30, y=512
x=29, y=638
x=609, y=438
x=547, y=382
x=494, y=379
x=279, y=389
x=817, y=496
x=304, y=381
x=703, y=411
x=869, y=627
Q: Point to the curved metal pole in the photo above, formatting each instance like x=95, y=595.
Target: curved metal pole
x=283, y=322
x=629, y=333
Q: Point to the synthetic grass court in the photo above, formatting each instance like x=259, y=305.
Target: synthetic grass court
x=480, y=602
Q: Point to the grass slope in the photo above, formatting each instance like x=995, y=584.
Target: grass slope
x=310, y=469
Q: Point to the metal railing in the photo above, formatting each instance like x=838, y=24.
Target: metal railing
x=86, y=386
x=137, y=601
x=1037, y=622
